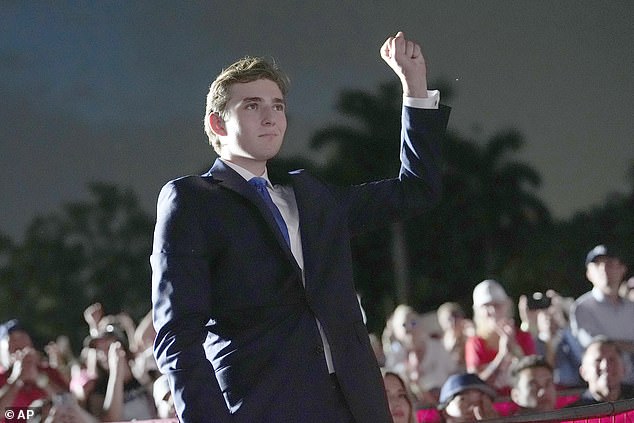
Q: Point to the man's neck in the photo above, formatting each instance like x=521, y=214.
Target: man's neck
x=256, y=167
x=246, y=171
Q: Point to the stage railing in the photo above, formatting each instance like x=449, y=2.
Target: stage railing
x=609, y=412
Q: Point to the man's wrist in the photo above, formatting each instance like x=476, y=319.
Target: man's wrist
x=430, y=102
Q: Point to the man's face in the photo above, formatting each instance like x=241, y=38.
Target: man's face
x=535, y=389
x=492, y=312
x=606, y=272
x=254, y=124
x=461, y=407
x=18, y=340
x=602, y=367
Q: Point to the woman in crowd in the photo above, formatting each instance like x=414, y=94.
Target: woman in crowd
x=456, y=330
x=421, y=359
x=498, y=343
x=401, y=407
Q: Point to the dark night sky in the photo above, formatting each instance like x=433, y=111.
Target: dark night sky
x=114, y=90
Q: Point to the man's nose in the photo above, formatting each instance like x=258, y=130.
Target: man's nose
x=267, y=117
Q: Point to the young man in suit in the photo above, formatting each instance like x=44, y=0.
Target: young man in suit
x=254, y=305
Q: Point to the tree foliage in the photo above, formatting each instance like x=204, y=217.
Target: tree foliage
x=91, y=251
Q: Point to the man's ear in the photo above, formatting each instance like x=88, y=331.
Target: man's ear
x=217, y=124
x=582, y=372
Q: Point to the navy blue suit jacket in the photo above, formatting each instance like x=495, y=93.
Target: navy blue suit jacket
x=236, y=329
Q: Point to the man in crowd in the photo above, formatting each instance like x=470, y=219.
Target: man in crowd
x=602, y=368
x=465, y=397
x=601, y=311
x=533, y=385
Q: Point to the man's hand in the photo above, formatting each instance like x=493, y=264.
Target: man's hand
x=92, y=315
x=407, y=61
x=25, y=365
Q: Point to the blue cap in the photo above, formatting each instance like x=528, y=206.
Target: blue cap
x=458, y=383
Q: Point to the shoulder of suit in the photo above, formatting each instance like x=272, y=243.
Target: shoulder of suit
x=190, y=182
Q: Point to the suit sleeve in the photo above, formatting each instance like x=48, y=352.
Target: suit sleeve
x=418, y=186
x=180, y=302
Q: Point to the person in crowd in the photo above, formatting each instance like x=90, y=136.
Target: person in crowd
x=25, y=375
x=60, y=355
x=601, y=311
x=456, y=330
x=144, y=365
x=498, y=343
x=420, y=358
x=401, y=407
x=465, y=397
x=603, y=369
x=553, y=338
x=111, y=392
x=253, y=294
x=96, y=318
x=533, y=385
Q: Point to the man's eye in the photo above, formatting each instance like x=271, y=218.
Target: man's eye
x=279, y=107
x=251, y=106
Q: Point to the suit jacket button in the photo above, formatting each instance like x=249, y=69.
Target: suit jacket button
x=319, y=349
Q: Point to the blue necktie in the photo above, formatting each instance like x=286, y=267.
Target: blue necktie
x=260, y=186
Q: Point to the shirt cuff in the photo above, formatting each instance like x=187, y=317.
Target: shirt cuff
x=431, y=102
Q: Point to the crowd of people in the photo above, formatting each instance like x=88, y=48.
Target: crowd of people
x=113, y=378
x=562, y=353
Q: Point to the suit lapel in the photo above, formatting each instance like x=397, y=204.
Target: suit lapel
x=226, y=177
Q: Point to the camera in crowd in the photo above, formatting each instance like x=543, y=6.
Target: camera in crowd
x=538, y=301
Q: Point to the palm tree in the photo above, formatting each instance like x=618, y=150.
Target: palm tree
x=489, y=211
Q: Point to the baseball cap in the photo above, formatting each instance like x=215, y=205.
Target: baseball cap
x=488, y=291
x=9, y=326
x=458, y=383
x=601, y=250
